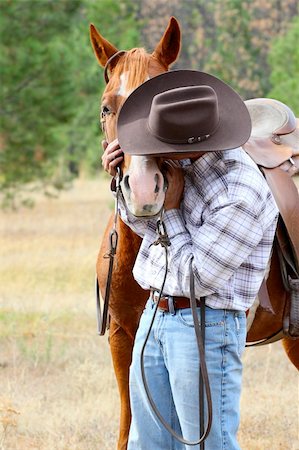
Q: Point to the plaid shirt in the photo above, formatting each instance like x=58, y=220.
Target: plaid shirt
x=226, y=221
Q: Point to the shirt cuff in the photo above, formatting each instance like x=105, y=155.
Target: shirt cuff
x=174, y=222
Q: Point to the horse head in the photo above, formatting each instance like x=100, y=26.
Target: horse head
x=143, y=184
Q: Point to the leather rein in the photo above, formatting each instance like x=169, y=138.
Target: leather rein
x=103, y=322
x=102, y=317
x=199, y=328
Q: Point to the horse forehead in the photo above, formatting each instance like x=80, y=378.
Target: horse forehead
x=139, y=165
x=123, y=89
x=138, y=161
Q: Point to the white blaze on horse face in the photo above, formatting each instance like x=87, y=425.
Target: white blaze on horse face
x=143, y=187
x=122, y=90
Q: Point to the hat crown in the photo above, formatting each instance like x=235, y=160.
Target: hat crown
x=186, y=114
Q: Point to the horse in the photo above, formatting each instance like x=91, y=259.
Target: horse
x=127, y=70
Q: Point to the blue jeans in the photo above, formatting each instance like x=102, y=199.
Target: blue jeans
x=172, y=372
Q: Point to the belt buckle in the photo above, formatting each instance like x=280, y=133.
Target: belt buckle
x=171, y=302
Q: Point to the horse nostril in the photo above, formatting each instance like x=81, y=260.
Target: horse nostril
x=165, y=185
x=157, y=181
x=126, y=182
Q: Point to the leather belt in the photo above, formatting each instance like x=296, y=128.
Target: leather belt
x=170, y=303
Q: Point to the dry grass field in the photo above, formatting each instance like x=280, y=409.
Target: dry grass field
x=57, y=387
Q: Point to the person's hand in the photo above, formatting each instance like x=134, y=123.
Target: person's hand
x=176, y=183
x=112, y=156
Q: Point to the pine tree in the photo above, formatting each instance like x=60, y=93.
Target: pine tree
x=284, y=64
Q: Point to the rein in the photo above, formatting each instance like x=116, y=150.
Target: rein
x=199, y=329
x=102, y=317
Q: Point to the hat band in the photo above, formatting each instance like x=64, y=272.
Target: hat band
x=189, y=140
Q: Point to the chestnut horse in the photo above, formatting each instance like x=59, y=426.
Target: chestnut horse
x=127, y=71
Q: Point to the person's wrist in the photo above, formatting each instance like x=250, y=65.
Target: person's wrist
x=167, y=207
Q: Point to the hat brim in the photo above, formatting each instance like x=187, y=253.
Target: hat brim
x=132, y=127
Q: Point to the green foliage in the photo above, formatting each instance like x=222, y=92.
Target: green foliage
x=36, y=75
x=243, y=32
x=233, y=56
x=49, y=112
x=116, y=21
x=284, y=62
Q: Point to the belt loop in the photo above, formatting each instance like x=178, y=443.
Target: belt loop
x=171, y=305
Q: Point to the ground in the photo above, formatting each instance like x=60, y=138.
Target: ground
x=57, y=386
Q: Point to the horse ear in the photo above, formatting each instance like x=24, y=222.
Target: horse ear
x=169, y=46
x=102, y=48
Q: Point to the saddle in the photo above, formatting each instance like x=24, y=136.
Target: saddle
x=274, y=146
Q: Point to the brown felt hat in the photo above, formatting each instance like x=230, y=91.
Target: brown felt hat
x=182, y=111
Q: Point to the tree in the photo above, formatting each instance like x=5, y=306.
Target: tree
x=244, y=32
x=284, y=64
x=36, y=89
x=117, y=22
x=228, y=38
x=49, y=112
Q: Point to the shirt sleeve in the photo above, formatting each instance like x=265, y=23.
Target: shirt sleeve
x=220, y=245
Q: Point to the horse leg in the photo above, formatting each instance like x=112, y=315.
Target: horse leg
x=291, y=347
x=121, y=345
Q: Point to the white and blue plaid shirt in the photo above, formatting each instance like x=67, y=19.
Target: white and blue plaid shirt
x=226, y=222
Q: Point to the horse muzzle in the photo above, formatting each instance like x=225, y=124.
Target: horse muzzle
x=143, y=187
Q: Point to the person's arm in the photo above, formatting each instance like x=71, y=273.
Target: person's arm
x=219, y=247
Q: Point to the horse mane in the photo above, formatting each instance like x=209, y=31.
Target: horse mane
x=137, y=58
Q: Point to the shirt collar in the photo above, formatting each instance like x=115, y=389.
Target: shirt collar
x=203, y=163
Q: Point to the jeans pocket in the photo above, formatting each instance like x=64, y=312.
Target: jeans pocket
x=214, y=318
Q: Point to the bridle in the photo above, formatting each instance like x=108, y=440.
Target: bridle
x=110, y=60
x=102, y=318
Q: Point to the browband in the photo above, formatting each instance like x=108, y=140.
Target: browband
x=117, y=54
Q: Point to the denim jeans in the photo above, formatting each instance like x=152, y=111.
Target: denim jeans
x=172, y=372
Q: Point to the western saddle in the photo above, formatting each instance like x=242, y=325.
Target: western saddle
x=274, y=146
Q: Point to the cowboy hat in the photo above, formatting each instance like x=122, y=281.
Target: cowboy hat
x=275, y=132
x=182, y=111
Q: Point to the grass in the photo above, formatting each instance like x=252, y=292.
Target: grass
x=57, y=387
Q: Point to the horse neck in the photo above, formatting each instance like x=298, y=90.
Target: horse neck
x=127, y=239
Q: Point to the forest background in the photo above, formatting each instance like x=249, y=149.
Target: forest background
x=51, y=83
